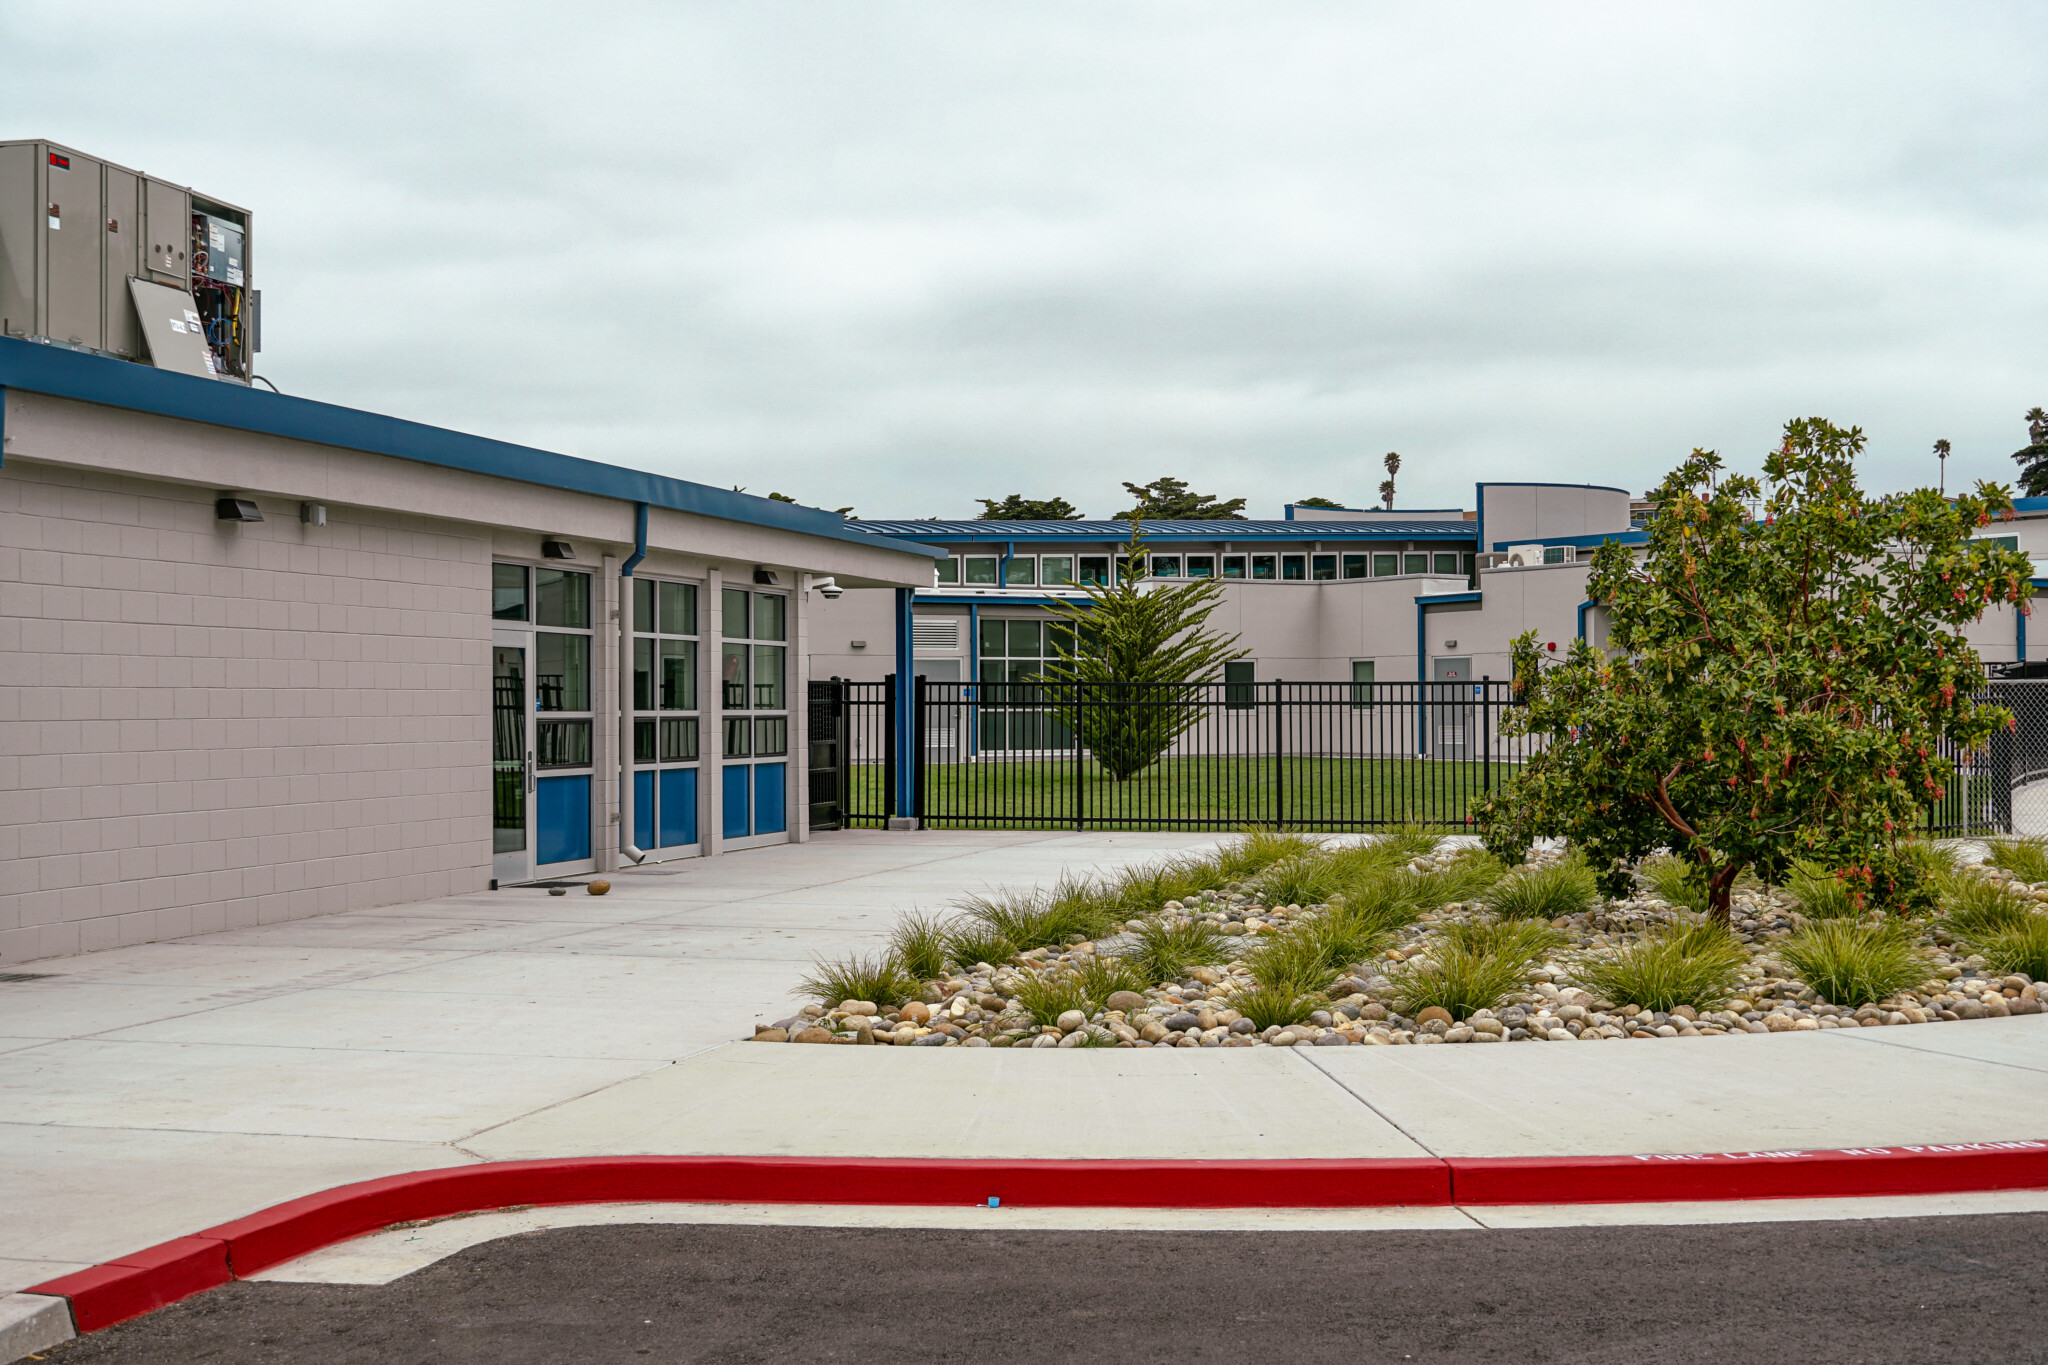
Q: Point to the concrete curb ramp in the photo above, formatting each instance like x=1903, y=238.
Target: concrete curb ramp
x=132, y=1285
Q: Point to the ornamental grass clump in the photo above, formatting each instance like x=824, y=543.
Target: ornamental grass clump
x=1255, y=850
x=880, y=978
x=1046, y=996
x=1278, y=1004
x=1140, y=892
x=1072, y=909
x=1818, y=894
x=1675, y=880
x=1695, y=963
x=919, y=941
x=1106, y=975
x=2025, y=858
x=1456, y=979
x=1311, y=879
x=1520, y=940
x=1974, y=907
x=1469, y=876
x=1851, y=964
x=1545, y=891
x=1167, y=950
x=970, y=942
x=2022, y=948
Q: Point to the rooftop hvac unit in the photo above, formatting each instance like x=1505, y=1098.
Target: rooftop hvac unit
x=1530, y=556
x=96, y=257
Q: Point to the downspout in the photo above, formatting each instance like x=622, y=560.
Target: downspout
x=1587, y=606
x=2021, y=635
x=627, y=848
x=1003, y=568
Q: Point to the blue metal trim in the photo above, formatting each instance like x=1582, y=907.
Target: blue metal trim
x=3, y=424
x=1584, y=607
x=1118, y=533
x=1020, y=600
x=1630, y=537
x=906, y=712
x=1422, y=606
x=143, y=388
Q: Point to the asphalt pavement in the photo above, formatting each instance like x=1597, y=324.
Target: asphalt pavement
x=1881, y=1292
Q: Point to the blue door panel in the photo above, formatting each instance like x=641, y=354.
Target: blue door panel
x=562, y=814
x=737, y=790
x=643, y=810
x=678, y=806
x=771, y=811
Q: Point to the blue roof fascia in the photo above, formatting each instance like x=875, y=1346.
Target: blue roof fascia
x=925, y=597
x=1583, y=542
x=61, y=373
x=1104, y=533
x=1439, y=599
x=2030, y=504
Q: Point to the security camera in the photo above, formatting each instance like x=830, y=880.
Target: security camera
x=828, y=589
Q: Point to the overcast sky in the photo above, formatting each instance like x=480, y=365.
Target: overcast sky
x=906, y=255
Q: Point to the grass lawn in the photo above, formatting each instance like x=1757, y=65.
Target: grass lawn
x=1195, y=793
x=1223, y=793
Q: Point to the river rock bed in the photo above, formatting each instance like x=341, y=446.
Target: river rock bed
x=979, y=1008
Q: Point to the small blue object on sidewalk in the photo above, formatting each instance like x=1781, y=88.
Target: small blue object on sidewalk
x=994, y=1202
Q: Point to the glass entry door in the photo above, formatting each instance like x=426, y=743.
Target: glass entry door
x=512, y=776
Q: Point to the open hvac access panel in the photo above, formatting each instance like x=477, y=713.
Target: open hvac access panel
x=97, y=257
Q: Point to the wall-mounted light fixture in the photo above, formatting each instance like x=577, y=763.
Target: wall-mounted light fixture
x=313, y=513
x=767, y=576
x=858, y=644
x=235, y=509
x=557, y=549
x=1450, y=644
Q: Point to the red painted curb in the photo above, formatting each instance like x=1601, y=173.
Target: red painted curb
x=163, y=1274
x=135, y=1284
x=1849, y=1173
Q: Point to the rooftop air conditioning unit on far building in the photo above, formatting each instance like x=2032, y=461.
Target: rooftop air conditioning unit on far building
x=95, y=257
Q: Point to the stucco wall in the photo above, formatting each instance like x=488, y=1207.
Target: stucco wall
x=207, y=724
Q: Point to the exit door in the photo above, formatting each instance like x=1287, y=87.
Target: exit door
x=1451, y=712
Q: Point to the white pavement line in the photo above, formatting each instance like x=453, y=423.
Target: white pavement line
x=1758, y=1210
x=31, y=1323
x=383, y=1257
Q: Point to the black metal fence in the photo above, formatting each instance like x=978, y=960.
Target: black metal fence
x=1171, y=756
x=1980, y=799
x=1276, y=755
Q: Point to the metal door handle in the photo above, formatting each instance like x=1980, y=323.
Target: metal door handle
x=529, y=770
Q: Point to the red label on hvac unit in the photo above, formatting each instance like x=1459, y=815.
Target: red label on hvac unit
x=62, y=163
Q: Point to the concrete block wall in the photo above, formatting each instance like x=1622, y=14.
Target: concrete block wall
x=205, y=725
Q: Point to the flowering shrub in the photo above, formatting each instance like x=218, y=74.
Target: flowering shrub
x=1777, y=682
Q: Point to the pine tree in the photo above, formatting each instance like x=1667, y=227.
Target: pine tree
x=1169, y=499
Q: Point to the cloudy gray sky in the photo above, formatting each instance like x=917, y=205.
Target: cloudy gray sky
x=904, y=255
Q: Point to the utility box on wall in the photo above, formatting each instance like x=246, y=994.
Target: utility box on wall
x=97, y=257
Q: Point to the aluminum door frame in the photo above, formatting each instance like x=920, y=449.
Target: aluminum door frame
x=512, y=868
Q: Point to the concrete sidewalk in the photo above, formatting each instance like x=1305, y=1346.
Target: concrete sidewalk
x=146, y=1092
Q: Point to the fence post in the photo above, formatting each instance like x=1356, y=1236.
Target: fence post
x=1080, y=761
x=920, y=756
x=1279, y=758
x=888, y=749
